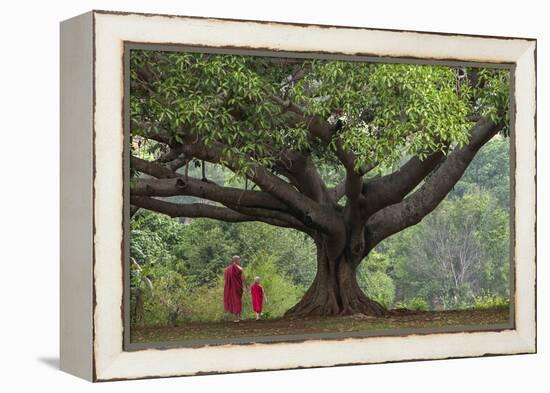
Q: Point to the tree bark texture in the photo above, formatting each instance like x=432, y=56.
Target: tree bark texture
x=335, y=290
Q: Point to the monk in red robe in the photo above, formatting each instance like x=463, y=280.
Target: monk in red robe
x=233, y=279
x=258, y=297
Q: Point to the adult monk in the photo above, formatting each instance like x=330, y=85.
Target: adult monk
x=233, y=283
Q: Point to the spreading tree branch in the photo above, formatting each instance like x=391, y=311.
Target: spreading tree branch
x=415, y=207
x=319, y=128
x=152, y=168
x=205, y=190
x=301, y=206
x=199, y=210
x=300, y=169
x=390, y=189
x=191, y=210
x=339, y=190
x=247, y=202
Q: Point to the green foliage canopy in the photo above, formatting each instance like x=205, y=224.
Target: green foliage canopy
x=384, y=111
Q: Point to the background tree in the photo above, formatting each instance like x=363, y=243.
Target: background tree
x=280, y=123
x=456, y=253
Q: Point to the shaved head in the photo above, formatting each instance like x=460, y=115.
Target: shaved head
x=236, y=259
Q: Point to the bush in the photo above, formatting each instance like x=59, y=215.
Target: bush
x=205, y=303
x=373, y=279
x=165, y=302
x=488, y=300
x=415, y=304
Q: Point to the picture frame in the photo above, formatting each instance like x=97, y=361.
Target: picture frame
x=93, y=320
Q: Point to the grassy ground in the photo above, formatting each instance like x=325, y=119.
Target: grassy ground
x=285, y=326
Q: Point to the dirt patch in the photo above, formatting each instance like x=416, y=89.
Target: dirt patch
x=313, y=325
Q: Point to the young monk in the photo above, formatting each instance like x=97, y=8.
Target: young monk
x=258, y=297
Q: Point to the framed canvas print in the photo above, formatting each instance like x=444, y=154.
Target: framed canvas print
x=245, y=195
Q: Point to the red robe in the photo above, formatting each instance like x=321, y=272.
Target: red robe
x=233, y=289
x=257, y=297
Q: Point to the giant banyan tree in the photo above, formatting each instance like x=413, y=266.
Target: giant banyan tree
x=395, y=138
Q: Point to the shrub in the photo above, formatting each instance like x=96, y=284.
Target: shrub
x=373, y=278
x=165, y=302
x=415, y=304
x=205, y=303
x=488, y=300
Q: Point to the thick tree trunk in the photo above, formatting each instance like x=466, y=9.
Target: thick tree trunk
x=335, y=290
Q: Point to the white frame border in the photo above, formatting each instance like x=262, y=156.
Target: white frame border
x=111, y=30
